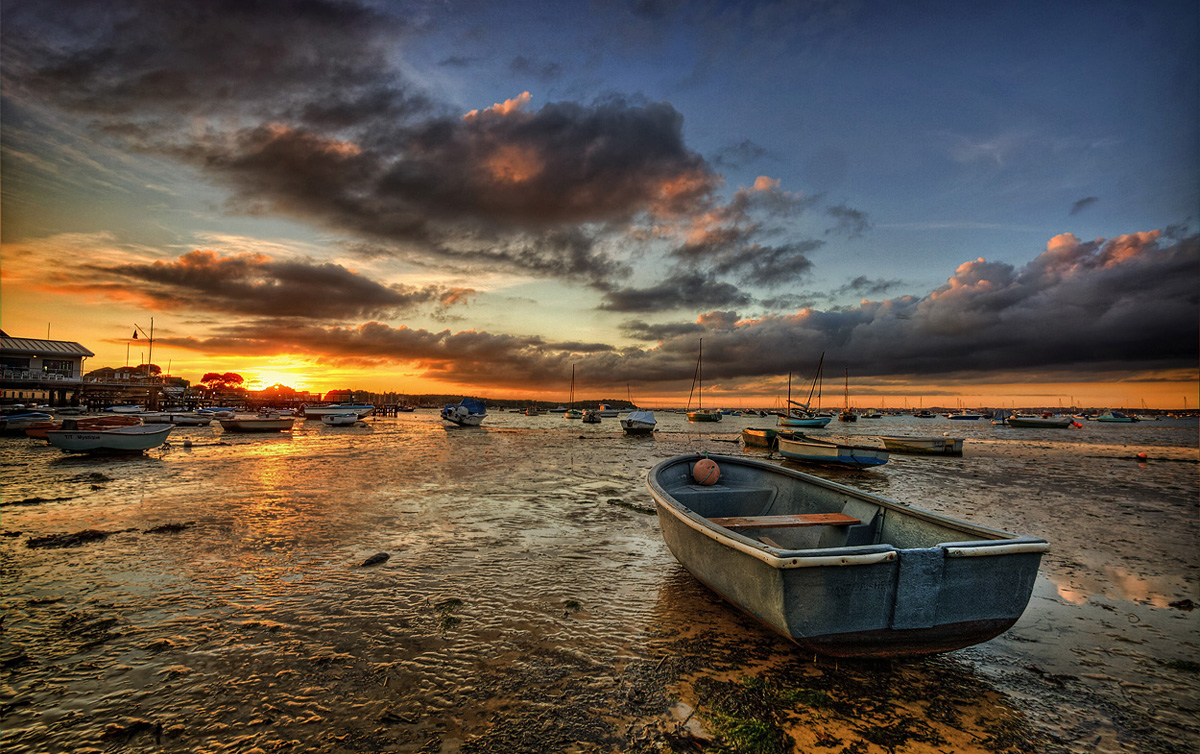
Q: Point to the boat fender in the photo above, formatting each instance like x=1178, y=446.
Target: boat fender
x=706, y=472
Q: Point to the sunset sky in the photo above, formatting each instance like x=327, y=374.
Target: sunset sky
x=954, y=202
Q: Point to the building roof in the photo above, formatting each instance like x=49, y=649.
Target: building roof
x=36, y=347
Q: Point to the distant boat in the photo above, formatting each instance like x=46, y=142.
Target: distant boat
x=945, y=446
x=591, y=417
x=872, y=415
x=262, y=422
x=639, y=423
x=19, y=422
x=796, y=447
x=470, y=412
x=803, y=417
x=572, y=413
x=963, y=415
x=1045, y=421
x=125, y=409
x=838, y=570
x=132, y=438
x=178, y=418
x=923, y=414
x=1116, y=416
x=360, y=410
x=847, y=415
x=756, y=437
x=533, y=411
x=700, y=415
x=606, y=412
x=82, y=423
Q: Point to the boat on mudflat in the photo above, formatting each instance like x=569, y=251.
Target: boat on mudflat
x=180, y=418
x=639, y=423
x=759, y=437
x=943, y=446
x=340, y=420
x=40, y=429
x=360, y=410
x=19, y=422
x=1045, y=421
x=469, y=412
x=131, y=438
x=797, y=447
x=268, y=422
x=838, y=570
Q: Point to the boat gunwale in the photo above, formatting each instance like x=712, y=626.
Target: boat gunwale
x=1001, y=543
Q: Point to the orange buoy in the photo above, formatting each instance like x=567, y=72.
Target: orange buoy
x=706, y=472
x=1141, y=456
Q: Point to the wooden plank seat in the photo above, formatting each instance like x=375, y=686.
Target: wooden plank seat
x=785, y=521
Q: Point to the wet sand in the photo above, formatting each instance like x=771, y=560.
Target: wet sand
x=528, y=603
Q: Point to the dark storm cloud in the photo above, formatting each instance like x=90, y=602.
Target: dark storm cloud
x=544, y=72
x=297, y=108
x=1129, y=302
x=1083, y=204
x=864, y=286
x=255, y=285
x=684, y=290
x=739, y=155
x=851, y=223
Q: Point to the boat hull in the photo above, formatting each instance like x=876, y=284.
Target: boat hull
x=704, y=416
x=902, y=582
x=339, y=420
x=807, y=450
x=943, y=446
x=1037, y=422
x=360, y=410
x=792, y=422
x=754, y=437
x=257, y=425
x=128, y=439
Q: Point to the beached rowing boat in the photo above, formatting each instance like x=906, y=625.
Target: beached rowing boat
x=132, y=438
x=797, y=447
x=838, y=570
x=944, y=446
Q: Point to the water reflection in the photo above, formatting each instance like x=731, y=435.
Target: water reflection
x=520, y=580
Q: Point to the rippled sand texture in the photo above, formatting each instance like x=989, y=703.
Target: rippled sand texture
x=529, y=604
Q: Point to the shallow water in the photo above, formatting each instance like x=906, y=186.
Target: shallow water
x=525, y=578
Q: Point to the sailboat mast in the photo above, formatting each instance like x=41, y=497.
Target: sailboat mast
x=700, y=374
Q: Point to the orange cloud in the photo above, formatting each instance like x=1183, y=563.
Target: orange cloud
x=507, y=107
x=512, y=163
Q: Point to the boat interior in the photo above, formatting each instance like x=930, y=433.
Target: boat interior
x=789, y=513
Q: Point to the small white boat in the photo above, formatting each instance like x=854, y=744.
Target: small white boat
x=132, y=438
x=178, y=418
x=943, y=446
x=591, y=417
x=339, y=420
x=608, y=413
x=22, y=421
x=639, y=423
x=1045, y=421
x=126, y=409
x=360, y=410
x=470, y=412
x=796, y=447
x=261, y=423
x=217, y=412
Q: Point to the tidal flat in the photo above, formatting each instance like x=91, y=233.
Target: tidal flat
x=221, y=597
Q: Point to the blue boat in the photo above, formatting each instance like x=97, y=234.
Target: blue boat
x=796, y=447
x=802, y=416
x=838, y=570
